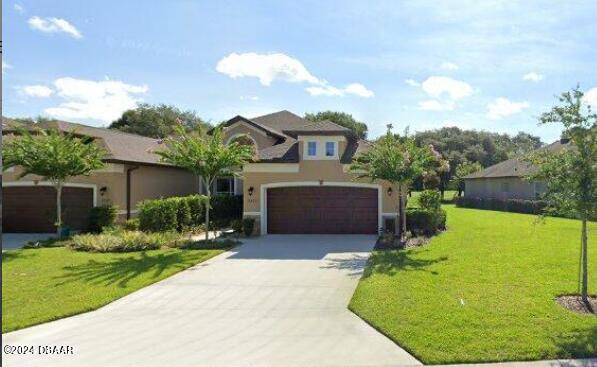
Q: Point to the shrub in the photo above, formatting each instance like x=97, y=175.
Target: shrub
x=124, y=241
x=425, y=222
x=172, y=214
x=507, y=205
x=225, y=208
x=100, y=217
x=237, y=226
x=430, y=200
x=248, y=226
x=131, y=224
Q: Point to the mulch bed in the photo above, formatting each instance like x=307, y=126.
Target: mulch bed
x=576, y=304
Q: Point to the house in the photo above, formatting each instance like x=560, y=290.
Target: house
x=506, y=180
x=132, y=173
x=300, y=181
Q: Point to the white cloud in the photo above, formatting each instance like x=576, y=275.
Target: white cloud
x=441, y=86
x=533, y=77
x=278, y=66
x=265, y=67
x=412, y=82
x=5, y=66
x=39, y=91
x=590, y=98
x=444, y=93
x=331, y=91
x=98, y=100
x=358, y=90
x=449, y=66
x=435, y=105
x=54, y=25
x=18, y=8
x=249, y=98
x=503, y=107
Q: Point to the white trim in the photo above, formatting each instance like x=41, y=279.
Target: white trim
x=242, y=123
x=389, y=214
x=123, y=211
x=264, y=187
x=47, y=183
x=241, y=134
x=251, y=214
x=271, y=167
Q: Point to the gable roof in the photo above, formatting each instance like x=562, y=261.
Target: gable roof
x=121, y=147
x=516, y=167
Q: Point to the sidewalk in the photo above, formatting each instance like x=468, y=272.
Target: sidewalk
x=591, y=362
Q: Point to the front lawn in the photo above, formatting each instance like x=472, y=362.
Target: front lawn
x=50, y=283
x=483, y=291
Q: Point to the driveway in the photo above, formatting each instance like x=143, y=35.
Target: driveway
x=274, y=301
x=12, y=241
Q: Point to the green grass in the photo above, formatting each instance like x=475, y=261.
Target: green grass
x=50, y=283
x=506, y=268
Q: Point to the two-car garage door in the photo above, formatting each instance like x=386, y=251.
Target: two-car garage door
x=322, y=210
x=33, y=208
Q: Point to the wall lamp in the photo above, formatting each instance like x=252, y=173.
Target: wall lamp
x=390, y=191
x=250, y=191
x=103, y=190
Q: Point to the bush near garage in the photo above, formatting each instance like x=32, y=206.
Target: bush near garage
x=430, y=200
x=225, y=209
x=126, y=241
x=424, y=221
x=101, y=217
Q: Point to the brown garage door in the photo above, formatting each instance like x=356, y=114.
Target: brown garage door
x=33, y=208
x=321, y=210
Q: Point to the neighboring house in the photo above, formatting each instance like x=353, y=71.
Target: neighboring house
x=132, y=173
x=300, y=181
x=506, y=180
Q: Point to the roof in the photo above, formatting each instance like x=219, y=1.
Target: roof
x=516, y=167
x=286, y=126
x=121, y=146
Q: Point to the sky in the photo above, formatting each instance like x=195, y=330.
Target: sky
x=491, y=65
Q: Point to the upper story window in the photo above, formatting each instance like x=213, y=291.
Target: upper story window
x=330, y=149
x=312, y=149
x=224, y=185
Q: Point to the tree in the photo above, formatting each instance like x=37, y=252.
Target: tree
x=207, y=157
x=399, y=161
x=158, y=121
x=570, y=174
x=53, y=156
x=464, y=169
x=342, y=119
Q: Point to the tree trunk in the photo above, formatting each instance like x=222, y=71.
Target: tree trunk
x=585, y=260
x=398, y=216
x=207, y=213
x=403, y=209
x=58, y=187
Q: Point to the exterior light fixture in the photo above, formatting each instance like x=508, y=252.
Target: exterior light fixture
x=103, y=190
x=390, y=191
x=250, y=191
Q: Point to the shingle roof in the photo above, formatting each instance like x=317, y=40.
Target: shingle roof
x=121, y=146
x=280, y=121
x=516, y=167
x=320, y=128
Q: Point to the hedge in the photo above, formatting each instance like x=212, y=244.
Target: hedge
x=425, y=222
x=100, y=217
x=182, y=213
x=505, y=205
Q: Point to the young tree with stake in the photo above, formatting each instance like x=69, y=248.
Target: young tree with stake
x=53, y=156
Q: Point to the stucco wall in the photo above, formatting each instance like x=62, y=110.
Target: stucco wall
x=262, y=140
x=494, y=188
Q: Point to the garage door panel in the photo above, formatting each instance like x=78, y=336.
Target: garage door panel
x=33, y=208
x=322, y=210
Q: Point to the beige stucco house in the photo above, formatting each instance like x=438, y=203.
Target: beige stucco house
x=300, y=181
x=507, y=179
x=132, y=173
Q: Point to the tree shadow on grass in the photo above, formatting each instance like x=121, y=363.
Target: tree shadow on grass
x=391, y=262
x=14, y=255
x=121, y=270
x=580, y=343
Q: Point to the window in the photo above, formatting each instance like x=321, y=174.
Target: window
x=225, y=185
x=312, y=148
x=330, y=149
x=505, y=187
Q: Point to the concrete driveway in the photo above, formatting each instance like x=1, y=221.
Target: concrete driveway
x=274, y=301
x=11, y=241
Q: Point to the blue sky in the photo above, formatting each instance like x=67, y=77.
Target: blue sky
x=491, y=65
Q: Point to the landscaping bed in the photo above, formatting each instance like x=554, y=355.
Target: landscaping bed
x=484, y=290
